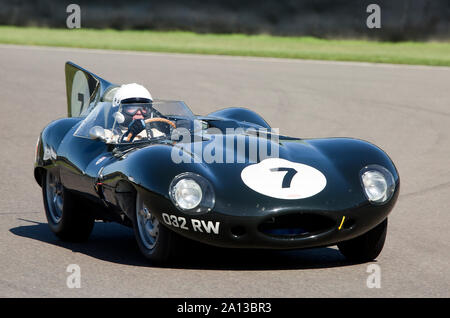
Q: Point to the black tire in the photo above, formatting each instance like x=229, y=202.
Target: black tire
x=366, y=247
x=73, y=223
x=160, y=248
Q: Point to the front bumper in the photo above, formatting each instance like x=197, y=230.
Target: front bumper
x=289, y=229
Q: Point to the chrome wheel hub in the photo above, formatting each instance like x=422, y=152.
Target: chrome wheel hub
x=148, y=225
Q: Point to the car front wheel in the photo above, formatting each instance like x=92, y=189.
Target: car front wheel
x=155, y=241
x=366, y=247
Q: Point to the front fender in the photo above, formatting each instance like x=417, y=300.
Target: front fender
x=351, y=155
x=151, y=168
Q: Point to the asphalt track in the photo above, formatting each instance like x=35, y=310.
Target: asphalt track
x=403, y=109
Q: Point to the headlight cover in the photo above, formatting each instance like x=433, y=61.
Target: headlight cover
x=378, y=183
x=192, y=193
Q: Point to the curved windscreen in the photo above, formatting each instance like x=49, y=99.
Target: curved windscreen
x=114, y=126
x=173, y=108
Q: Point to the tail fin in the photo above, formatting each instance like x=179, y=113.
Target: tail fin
x=84, y=90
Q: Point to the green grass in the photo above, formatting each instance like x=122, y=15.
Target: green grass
x=422, y=53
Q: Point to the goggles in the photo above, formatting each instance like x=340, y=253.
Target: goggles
x=133, y=109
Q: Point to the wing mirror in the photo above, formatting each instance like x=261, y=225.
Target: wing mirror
x=119, y=117
x=97, y=132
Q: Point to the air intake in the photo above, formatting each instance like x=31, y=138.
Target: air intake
x=296, y=225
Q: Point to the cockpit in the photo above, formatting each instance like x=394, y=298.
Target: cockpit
x=159, y=120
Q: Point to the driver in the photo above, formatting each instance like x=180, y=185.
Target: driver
x=135, y=104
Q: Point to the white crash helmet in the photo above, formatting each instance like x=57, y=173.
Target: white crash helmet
x=131, y=91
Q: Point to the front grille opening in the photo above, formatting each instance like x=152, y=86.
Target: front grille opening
x=296, y=225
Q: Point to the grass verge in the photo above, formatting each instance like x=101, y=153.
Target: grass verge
x=419, y=53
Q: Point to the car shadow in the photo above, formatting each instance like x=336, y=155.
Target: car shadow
x=115, y=243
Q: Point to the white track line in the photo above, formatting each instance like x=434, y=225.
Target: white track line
x=220, y=57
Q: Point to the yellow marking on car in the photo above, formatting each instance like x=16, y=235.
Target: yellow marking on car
x=342, y=222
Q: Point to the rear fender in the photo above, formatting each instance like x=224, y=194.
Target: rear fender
x=48, y=144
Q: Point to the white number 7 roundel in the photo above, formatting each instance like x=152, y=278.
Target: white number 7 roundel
x=283, y=179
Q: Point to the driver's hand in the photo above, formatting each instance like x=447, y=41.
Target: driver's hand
x=135, y=127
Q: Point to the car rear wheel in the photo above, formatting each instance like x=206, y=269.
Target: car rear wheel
x=366, y=247
x=155, y=241
x=66, y=214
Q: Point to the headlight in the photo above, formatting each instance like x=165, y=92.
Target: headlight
x=192, y=193
x=378, y=183
x=187, y=193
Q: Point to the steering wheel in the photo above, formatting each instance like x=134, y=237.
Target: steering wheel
x=163, y=120
x=152, y=120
